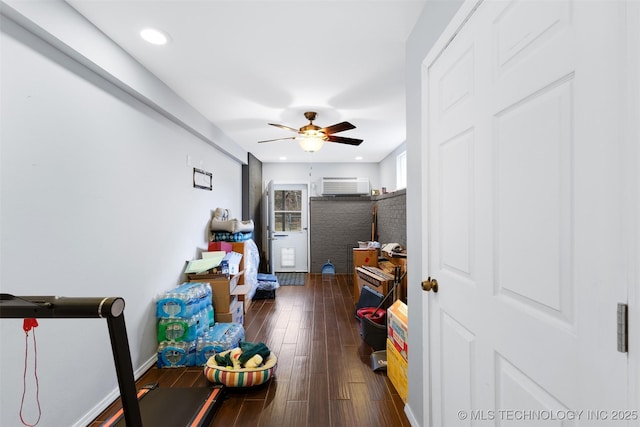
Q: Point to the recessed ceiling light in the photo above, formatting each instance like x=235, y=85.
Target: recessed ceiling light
x=283, y=158
x=359, y=158
x=154, y=36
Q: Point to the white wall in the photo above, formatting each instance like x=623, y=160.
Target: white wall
x=434, y=18
x=314, y=172
x=96, y=200
x=388, y=168
x=60, y=25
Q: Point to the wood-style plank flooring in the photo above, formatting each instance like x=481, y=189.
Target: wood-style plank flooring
x=323, y=376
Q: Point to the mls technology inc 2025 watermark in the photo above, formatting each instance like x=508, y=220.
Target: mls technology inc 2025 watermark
x=548, y=415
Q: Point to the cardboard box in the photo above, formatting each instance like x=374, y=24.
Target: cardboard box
x=242, y=292
x=220, y=246
x=397, y=371
x=234, y=315
x=362, y=257
x=221, y=288
x=374, y=278
x=397, y=327
x=386, y=266
x=242, y=249
x=230, y=264
x=203, y=277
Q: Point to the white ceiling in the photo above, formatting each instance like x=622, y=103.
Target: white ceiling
x=243, y=64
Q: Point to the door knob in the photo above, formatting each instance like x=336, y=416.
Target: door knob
x=430, y=285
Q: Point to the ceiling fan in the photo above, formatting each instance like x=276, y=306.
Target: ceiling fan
x=312, y=137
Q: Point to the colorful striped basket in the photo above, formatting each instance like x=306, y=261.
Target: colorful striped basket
x=245, y=377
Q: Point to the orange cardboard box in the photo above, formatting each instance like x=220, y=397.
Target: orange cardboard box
x=398, y=327
x=397, y=368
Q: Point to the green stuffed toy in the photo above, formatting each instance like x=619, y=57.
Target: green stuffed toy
x=248, y=355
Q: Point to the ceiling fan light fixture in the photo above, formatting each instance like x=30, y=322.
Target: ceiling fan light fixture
x=313, y=131
x=311, y=144
x=311, y=137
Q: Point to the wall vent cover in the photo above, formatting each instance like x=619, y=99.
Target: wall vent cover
x=345, y=186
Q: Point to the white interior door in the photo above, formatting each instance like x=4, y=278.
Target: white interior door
x=523, y=111
x=288, y=227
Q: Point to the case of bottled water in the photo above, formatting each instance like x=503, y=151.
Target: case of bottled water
x=184, y=301
x=223, y=336
x=184, y=314
x=176, y=354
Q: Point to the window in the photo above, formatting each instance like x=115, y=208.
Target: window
x=401, y=170
x=288, y=210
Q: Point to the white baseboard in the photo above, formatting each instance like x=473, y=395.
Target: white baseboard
x=410, y=416
x=111, y=397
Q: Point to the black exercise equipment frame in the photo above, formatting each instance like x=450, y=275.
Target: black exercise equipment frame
x=109, y=308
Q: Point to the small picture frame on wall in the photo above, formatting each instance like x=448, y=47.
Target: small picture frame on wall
x=202, y=179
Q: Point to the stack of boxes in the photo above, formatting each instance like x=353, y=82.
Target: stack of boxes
x=205, y=315
x=230, y=295
x=397, y=348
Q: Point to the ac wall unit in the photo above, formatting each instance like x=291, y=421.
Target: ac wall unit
x=345, y=186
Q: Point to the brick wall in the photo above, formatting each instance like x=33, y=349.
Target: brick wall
x=252, y=201
x=337, y=224
x=392, y=217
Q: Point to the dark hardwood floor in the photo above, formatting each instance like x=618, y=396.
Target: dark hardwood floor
x=323, y=376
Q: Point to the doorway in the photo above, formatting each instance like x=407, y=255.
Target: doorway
x=287, y=227
x=523, y=215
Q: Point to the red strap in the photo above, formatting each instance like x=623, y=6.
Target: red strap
x=27, y=325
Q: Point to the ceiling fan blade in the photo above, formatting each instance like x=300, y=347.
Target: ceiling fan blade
x=285, y=127
x=343, y=140
x=338, y=127
x=277, y=139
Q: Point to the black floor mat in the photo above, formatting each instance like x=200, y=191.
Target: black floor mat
x=292, y=279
